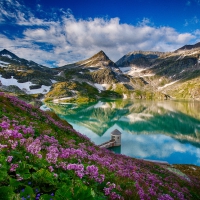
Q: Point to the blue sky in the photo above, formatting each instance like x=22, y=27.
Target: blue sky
x=57, y=32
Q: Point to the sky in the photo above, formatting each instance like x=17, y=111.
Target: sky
x=58, y=32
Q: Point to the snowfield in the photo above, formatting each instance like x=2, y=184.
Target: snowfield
x=24, y=86
x=101, y=87
x=53, y=81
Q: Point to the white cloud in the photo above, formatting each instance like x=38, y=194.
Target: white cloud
x=86, y=37
x=27, y=50
x=193, y=21
x=162, y=147
x=62, y=63
x=74, y=39
x=197, y=32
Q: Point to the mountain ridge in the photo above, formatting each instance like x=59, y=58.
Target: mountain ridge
x=129, y=57
x=138, y=74
x=188, y=47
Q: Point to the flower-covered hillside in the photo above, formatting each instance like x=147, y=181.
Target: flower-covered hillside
x=42, y=157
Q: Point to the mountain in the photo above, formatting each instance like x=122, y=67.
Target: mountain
x=98, y=77
x=137, y=63
x=11, y=60
x=96, y=69
x=189, y=47
x=8, y=54
x=99, y=60
x=87, y=80
x=21, y=74
x=141, y=58
x=175, y=73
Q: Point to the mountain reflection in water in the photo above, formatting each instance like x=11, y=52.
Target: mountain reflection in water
x=157, y=130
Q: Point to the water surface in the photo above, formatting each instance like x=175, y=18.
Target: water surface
x=156, y=130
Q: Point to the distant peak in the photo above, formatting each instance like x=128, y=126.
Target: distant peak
x=6, y=52
x=101, y=54
x=188, y=47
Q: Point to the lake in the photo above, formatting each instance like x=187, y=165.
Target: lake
x=155, y=130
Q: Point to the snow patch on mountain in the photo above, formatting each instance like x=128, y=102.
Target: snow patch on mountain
x=125, y=69
x=53, y=81
x=2, y=62
x=99, y=87
x=93, y=70
x=166, y=85
x=134, y=71
x=24, y=86
x=59, y=74
x=180, y=57
x=6, y=55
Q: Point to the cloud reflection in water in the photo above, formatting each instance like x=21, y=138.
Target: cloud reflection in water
x=165, y=130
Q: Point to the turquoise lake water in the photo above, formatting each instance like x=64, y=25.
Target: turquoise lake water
x=156, y=130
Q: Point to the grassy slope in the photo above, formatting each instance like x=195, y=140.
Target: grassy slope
x=189, y=89
x=42, y=157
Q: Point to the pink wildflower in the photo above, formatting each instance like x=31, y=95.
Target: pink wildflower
x=51, y=169
x=13, y=167
x=9, y=159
